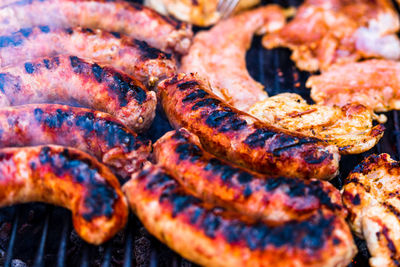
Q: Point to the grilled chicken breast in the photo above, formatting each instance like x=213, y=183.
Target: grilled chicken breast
x=350, y=127
x=374, y=83
x=69, y=178
x=219, y=55
x=271, y=199
x=71, y=80
x=371, y=194
x=212, y=236
x=94, y=132
x=241, y=138
x=131, y=56
x=338, y=31
x=125, y=17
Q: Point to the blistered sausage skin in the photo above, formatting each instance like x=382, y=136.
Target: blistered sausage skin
x=272, y=199
x=214, y=237
x=131, y=56
x=94, y=132
x=241, y=138
x=132, y=19
x=69, y=178
x=71, y=80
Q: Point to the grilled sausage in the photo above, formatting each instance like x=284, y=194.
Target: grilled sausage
x=215, y=237
x=71, y=80
x=131, y=56
x=242, y=138
x=271, y=199
x=133, y=19
x=67, y=177
x=94, y=132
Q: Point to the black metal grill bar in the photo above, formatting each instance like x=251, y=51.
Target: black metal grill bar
x=107, y=255
x=128, y=243
x=85, y=256
x=40, y=252
x=63, y=244
x=11, y=243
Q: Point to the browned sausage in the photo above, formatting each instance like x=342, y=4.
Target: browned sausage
x=241, y=138
x=71, y=80
x=69, y=178
x=94, y=132
x=272, y=199
x=131, y=56
x=133, y=19
x=214, y=237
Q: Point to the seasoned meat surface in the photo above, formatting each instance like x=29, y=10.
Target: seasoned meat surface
x=338, y=31
x=125, y=17
x=371, y=194
x=94, y=132
x=212, y=236
x=374, y=83
x=241, y=138
x=69, y=178
x=72, y=80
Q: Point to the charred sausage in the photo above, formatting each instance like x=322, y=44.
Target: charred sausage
x=69, y=178
x=94, y=132
x=215, y=237
x=268, y=198
x=131, y=56
x=241, y=138
x=133, y=19
x=71, y=80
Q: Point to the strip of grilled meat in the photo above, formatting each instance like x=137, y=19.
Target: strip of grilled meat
x=71, y=80
x=69, y=178
x=125, y=17
x=212, y=236
x=241, y=138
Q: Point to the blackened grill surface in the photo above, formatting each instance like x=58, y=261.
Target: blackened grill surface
x=42, y=235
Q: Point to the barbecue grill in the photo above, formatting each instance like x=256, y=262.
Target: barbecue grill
x=42, y=235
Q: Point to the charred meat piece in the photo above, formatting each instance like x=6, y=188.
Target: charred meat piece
x=219, y=55
x=212, y=236
x=338, y=31
x=94, y=132
x=241, y=138
x=371, y=194
x=71, y=80
x=131, y=56
x=215, y=180
x=124, y=17
x=349, y=127
x=69, y=178
x=373, y=83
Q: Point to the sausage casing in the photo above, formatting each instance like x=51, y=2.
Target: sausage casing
x=214, y=237
x=66, y=177
x=94, y=132
x=71, y=80
x=241, y=138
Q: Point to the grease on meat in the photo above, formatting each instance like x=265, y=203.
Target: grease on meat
x=371, y=194
x=338, y=31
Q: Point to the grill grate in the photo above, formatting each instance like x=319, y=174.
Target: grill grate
x=42, y=235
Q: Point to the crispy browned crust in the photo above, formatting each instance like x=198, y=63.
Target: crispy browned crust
x=215, y=180
x=371, y=194
x=131, y=56
x=214, y=237
x=71, y=80
x=241, y=138
x=69, y=178
x=94, y=132
x=132, y=19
